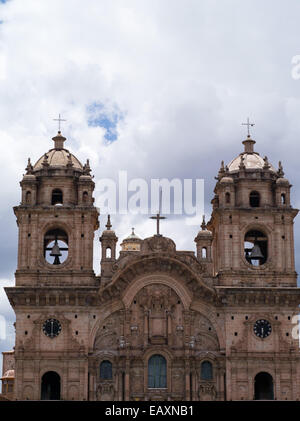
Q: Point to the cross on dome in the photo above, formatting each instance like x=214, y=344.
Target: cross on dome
x=59, y=119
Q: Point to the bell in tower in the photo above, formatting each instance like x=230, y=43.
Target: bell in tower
x=55, y=251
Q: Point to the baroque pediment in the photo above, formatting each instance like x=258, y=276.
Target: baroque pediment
x=179, y=265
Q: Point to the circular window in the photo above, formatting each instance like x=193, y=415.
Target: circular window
x=56, y=246
x=256, y=247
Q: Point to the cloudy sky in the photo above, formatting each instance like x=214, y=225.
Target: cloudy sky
x=158, y=88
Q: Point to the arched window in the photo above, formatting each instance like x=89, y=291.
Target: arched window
x=56, y=246
x=227, y=197
x=50, y=389
x=108, y=253
x=204, y=253
x=263, y=386
x=206, y=370
x=254, y=199
x=106, y=370
x=283, y=200
x=85, y=196
x=57, y=197
x=256, y=247
x=157, y=372
x=28, y=198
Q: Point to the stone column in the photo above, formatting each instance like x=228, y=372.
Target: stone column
x=194, y=383
x=276, y=385
x=228, y=381
x=92, y=381
x=146, y=327
x=127, y=379
x=169, y=328
x=187, y=380
x=221, y=385
x=119, y=390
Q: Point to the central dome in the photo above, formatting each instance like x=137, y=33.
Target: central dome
x=58, y=156
x=249, y=159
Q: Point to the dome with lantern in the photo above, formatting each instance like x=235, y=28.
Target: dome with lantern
x=58, y=156
x=249, y=160
x=132, y=242
x=204, y=232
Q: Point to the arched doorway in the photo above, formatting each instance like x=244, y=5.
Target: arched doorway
x=50, y=390
x=263, y=387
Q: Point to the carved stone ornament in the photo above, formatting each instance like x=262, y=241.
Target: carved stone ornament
x=105, y=391
x=158, y=243
x=207, y=392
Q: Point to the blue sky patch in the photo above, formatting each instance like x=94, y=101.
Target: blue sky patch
x=98, y=116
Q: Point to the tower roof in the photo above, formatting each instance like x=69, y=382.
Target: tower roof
x=249, y=159
x=58, y=156
x=108, y=232
x=132, y=237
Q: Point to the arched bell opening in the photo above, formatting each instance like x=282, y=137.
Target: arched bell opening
x=50, y=388
x=56, y=246
x=254, y=199
x=256, y=247
x=28, y=198
x=57, y=197
x=108, y=253
x=263, y=386
x=85, y=197
x=283, y=199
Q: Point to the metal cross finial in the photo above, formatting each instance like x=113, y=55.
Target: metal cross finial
x=59, y=119
x=248, y=124
x=158, y=217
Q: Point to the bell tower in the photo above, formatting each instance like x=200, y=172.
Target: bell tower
x=252, y=223
x=55, y=281
x=56, y=220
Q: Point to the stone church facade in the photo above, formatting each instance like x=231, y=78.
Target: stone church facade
x=158, y=323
